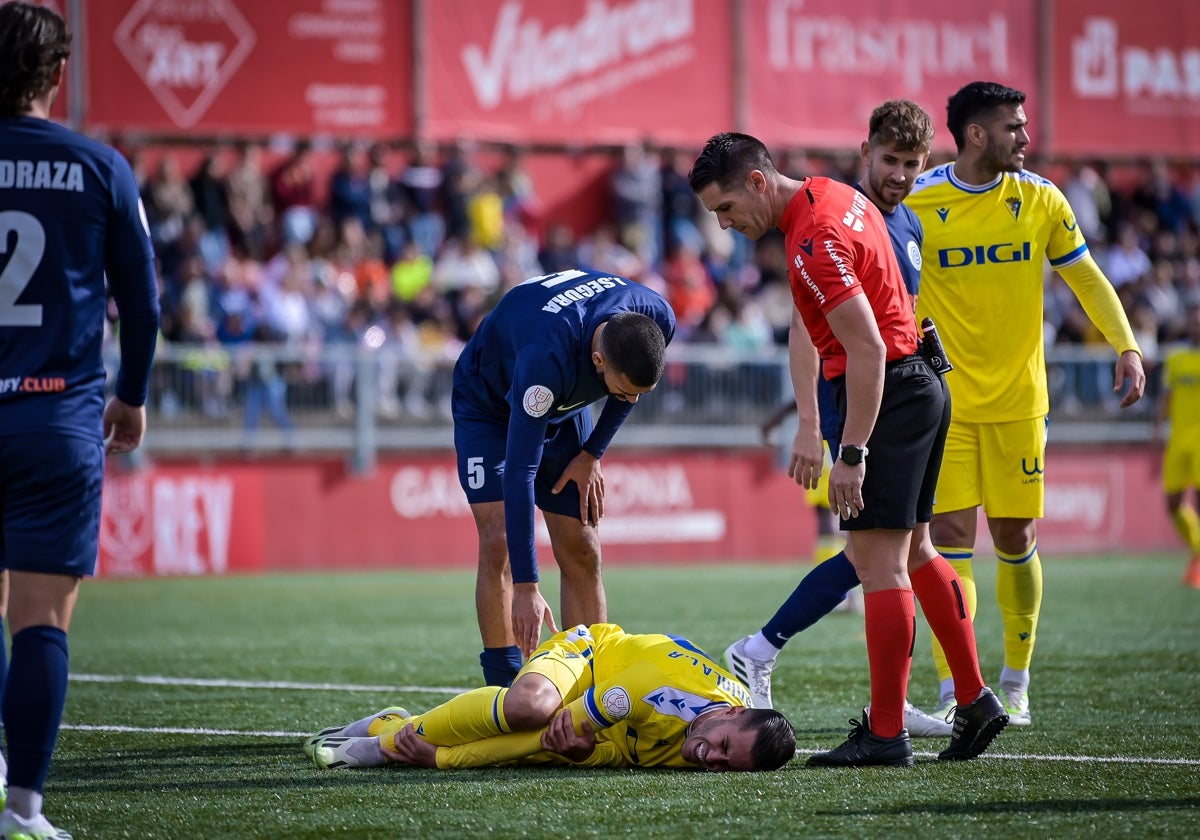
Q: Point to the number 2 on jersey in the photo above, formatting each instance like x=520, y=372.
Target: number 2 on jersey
x=22, y=263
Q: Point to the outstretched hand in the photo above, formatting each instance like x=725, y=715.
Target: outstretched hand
x=529, y=612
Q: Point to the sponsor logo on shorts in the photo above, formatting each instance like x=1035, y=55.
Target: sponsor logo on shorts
x=537, y=400
x=615, y=703
x=1033, y=473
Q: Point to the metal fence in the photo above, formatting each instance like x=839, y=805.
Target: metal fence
x=258, y=399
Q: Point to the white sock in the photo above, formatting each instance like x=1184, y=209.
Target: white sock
x=30, y=826
x=366, y=752
x=1014, y=678
x=757, y=647
x=24, y=802
x=359, y=728
x=947, y=690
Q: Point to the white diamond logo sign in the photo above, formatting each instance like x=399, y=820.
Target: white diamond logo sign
x=185, y=51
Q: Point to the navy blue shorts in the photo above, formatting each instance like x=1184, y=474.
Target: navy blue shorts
x=827, y=411
x=50, y=504
x=905, y=447
x=480, y=445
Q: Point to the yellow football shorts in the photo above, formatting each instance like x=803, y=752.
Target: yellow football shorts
x=1181, y=464
x=1000, y=466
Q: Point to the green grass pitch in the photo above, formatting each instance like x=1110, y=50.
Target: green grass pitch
x=189, y=698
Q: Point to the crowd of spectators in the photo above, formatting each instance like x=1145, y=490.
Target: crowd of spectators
x=405, y=251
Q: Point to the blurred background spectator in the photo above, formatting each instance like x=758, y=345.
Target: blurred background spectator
x=409, y=247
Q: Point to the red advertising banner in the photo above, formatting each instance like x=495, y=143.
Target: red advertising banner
x=685, y=506
x=579, y=71
x=1126, y=77
x=817, y=68
x=340, y=67
x=183, y=521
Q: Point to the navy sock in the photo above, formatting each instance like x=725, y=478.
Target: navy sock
x=815, y=596
x=34, y=695
x=500, y=665
x=3, y=680
x=3, y=656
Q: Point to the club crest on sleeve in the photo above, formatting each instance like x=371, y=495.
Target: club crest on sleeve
x=615, y=703
x=537, y=400
x=914, y=254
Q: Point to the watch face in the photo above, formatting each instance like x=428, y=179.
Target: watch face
x=852, y=455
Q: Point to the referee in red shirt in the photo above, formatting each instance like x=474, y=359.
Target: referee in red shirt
x=854, y=310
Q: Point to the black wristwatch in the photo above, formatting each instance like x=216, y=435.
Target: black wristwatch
x=851, y=454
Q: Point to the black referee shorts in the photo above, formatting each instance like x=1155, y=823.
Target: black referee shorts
x=905, y=447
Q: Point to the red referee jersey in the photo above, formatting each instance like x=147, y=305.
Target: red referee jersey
x=838, y=246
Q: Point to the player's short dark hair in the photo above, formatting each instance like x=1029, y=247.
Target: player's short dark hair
x=775, y=745
x=33, y=40
x=727, y=159
x=902, y=124
x=635, y=346
x=973, y=101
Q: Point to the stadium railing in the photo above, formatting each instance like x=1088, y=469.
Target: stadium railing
x=217, y=401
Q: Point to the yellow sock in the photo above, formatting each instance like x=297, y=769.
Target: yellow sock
x=1019, y=593
x=960, y=559
x=1187, y=523
x=511, y=747
x=468, y=717
x=498, y=749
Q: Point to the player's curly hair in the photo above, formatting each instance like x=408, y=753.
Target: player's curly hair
x=902, y=124
x=728, y=159
x=636, y=347
x=973, y=101
x=33, y=40
x=775, y=745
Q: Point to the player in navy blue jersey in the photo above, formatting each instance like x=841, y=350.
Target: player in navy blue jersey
x=899, y=138
x=69, y=216
x=524, y=437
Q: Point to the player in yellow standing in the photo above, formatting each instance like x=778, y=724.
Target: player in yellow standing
x=989, y=228
x=1180, y=404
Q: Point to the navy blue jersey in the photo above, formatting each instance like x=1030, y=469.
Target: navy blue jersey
x=906, y=233
x=529, y=366
x=69, y=215
x=907, y=236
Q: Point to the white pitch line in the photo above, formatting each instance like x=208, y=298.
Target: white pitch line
x=432, y=689
x=244, y=733
x=265, y=684
x=179, y=730
x=1082, y=759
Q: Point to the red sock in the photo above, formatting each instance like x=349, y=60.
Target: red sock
x=939, y=590
x=891, y=628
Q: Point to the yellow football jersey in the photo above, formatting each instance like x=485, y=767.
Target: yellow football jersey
x=646, y=689
x=981, y=282
x=1181, y=376
x=639, y=692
